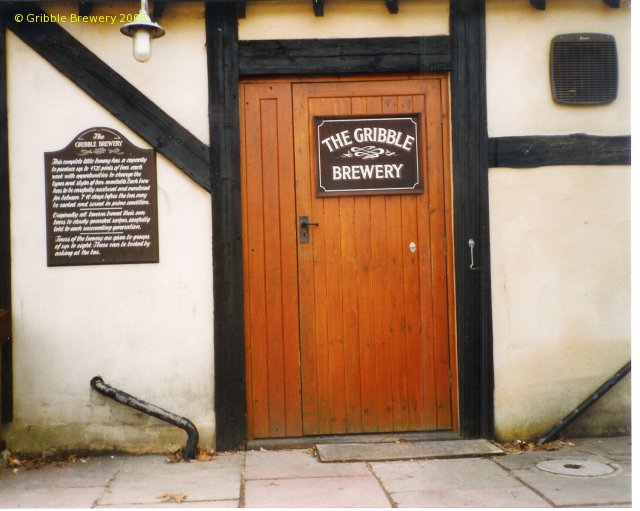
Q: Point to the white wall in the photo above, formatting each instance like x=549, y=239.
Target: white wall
x=560, y=247
x=146, y=328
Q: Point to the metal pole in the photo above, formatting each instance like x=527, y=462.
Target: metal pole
x=601, y=391
x=190, y=449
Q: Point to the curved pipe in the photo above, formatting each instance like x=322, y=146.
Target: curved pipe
x=190, y=449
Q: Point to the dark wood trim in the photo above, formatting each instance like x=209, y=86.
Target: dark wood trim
x=158, y=10
x=318, y=7
x=113, y=92
x=576, y=149
x=541, y=5
x=6, y=384
x=471, y=217
x=224, y=129
x=392, y=6
x=612, y=3
x=345, y=56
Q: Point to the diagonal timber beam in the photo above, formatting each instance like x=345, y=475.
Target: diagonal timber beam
x=113, y=92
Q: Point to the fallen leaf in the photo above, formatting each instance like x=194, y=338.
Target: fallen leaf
x=8, y=459
x=178, y=498
x=204, y=455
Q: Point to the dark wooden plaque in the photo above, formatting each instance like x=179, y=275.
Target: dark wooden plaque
x=368, y=155
x=101, y=198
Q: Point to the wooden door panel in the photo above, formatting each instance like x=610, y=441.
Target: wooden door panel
x=270, y=262
x=352, y=332
x=375, y=340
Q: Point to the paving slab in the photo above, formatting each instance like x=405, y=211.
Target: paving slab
x=52, y=497
x=296, y=463
x=564, y=491
x=436, y=475
x=145, y=479
x=480, y=497
x=406, y=450
x=96, y=471
x=319, y=492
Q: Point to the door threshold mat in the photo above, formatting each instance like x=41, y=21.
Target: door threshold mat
x=406, y=450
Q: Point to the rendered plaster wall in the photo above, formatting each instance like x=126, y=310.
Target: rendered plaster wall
x=146, y=328
x=560, y=236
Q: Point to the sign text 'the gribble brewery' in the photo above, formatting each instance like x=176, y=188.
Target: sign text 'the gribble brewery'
x=368, y=155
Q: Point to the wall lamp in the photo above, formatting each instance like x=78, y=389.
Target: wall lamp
x=142, y=30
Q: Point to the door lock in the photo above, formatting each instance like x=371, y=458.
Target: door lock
x=304, y=223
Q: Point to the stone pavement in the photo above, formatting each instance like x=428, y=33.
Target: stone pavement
x=295, y=478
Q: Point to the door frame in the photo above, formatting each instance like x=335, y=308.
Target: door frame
x=462, y=53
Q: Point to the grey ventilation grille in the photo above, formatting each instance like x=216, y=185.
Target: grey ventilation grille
x=584, y=69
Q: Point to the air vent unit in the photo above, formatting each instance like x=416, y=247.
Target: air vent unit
x=584, y=69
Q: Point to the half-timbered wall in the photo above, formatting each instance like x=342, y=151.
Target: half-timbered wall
x=146, y=328
x=555, y=291
x=560, y=250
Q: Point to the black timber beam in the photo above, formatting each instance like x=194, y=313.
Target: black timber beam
x=576, y=149
x=471, y=220
x=613, y=3
x=6, y=383
x=541, y=5
x=224, y=129
x=345, y=56
x=318, y=7
x=84, y=8
x=392, y=6
x=158, y=10
x=113, y=92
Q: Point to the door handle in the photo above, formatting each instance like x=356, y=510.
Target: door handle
x=304, y=223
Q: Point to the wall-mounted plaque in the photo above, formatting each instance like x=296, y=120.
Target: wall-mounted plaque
x=368, y=155
x=101, y=201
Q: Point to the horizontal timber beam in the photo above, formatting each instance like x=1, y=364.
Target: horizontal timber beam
x=576, y=149
x=113, y=92
x=345, y=56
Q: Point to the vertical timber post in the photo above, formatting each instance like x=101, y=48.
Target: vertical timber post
x=224, y=129
x=6, y=383
x=471, y=217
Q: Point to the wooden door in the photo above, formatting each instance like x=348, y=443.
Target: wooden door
x=351, y=332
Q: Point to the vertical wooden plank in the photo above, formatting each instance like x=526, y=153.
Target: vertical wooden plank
x=224, y=123
x=270, y=182
x=306, y=278
x=255, y=299
x=245, y=257
x=411, y=287
x=351, y=319
x=446, y=149
x=365, y=314
x=289, y=261
x=381, y=326
x=330, y=231
x=397, y=313
x=438, y=251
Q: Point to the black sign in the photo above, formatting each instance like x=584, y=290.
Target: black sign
x=368, y=155
x=101, y=201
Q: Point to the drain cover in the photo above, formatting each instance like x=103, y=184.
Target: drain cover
x=580, y=468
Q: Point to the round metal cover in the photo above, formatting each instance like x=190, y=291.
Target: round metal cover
x=579, y=468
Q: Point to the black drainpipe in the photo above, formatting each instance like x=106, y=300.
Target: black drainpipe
x=601, y=391
x=190, y=449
